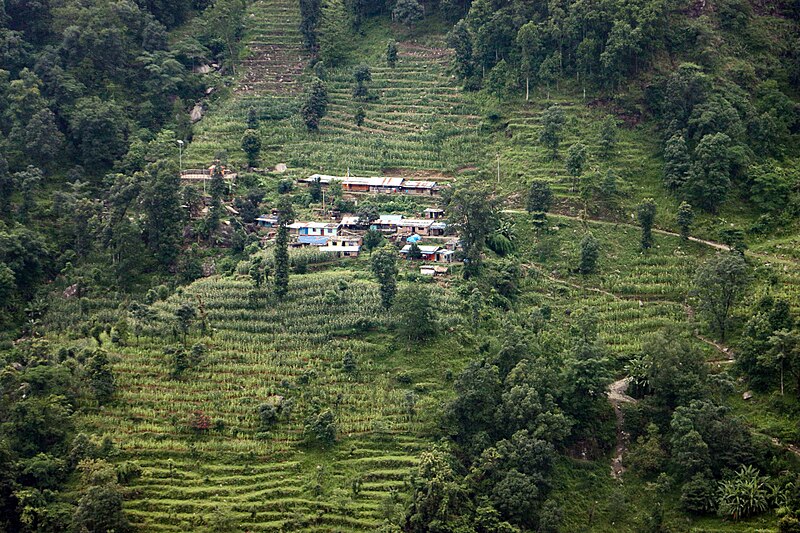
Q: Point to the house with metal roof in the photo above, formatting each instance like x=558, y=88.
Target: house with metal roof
x=434, y=253
x=376, y=184
x=314, y=228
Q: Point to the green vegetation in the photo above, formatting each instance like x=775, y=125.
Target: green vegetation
x=614, y=348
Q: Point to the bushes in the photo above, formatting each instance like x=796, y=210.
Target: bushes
x=746, y=494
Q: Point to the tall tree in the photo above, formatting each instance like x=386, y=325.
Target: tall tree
x=100, y=131
x=415, y=313
x=710, y=178
x=285, y=217
x=391, y=53
x=685, y=219
x=590, y=250
x=407, y=12
x=473, y=213
x=251, y=145
x=646, y=214
x=677, y=162
x=310, y=15
x=719, y=284
x=316, y=104
x=384, y=268
x=552, y=121
x=576, y=159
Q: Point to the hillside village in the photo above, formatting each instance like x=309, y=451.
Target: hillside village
x=399, y=266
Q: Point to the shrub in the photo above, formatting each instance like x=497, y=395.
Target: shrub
x=744, y=495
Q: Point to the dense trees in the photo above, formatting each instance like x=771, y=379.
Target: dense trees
x=160, y=201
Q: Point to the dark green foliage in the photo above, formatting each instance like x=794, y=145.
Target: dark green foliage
x=391, y=53
x=685, y=219
x=315, y=105
x=161, y=204
x=540, y=197
x=252, y=119
x=372, y=239
x=416, y=317
x=100, y=510
x=361, y=75
x=552, y=121
x=719, y=284
x=320, y=428
x=699, y=495
x=459, y=39
x=677, y=163
x=590, y=251
x=384, y=268
x=315, y=190
x=646, y=214
x=285, y=217
x=576, y=159
x=414, y=253
x=608, y=136
x=311, y=14
x=185, y=315
x=474, y=214
x=99, y=129
x=359, y=116
x=648, y=457
x=501, y=80
x=101, y=376
x=407, y=12
x=710, y=177
x=251, y=145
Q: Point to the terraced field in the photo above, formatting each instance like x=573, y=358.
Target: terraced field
x=293, y=349
x=417, y=117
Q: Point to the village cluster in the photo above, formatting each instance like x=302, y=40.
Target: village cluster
x=343, y=234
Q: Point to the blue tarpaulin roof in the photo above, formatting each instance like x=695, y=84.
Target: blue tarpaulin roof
x=316, y=240
x=414, y=238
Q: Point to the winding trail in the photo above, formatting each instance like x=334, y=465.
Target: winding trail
x=617, y=396
x=711, y=244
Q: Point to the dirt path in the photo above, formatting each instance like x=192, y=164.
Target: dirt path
x=617, y=396
x=711, y=244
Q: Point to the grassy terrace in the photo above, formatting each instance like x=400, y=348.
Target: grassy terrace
x=417, y=117
x=293, y=349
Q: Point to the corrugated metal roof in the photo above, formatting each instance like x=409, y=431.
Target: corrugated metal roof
x=319, y=225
